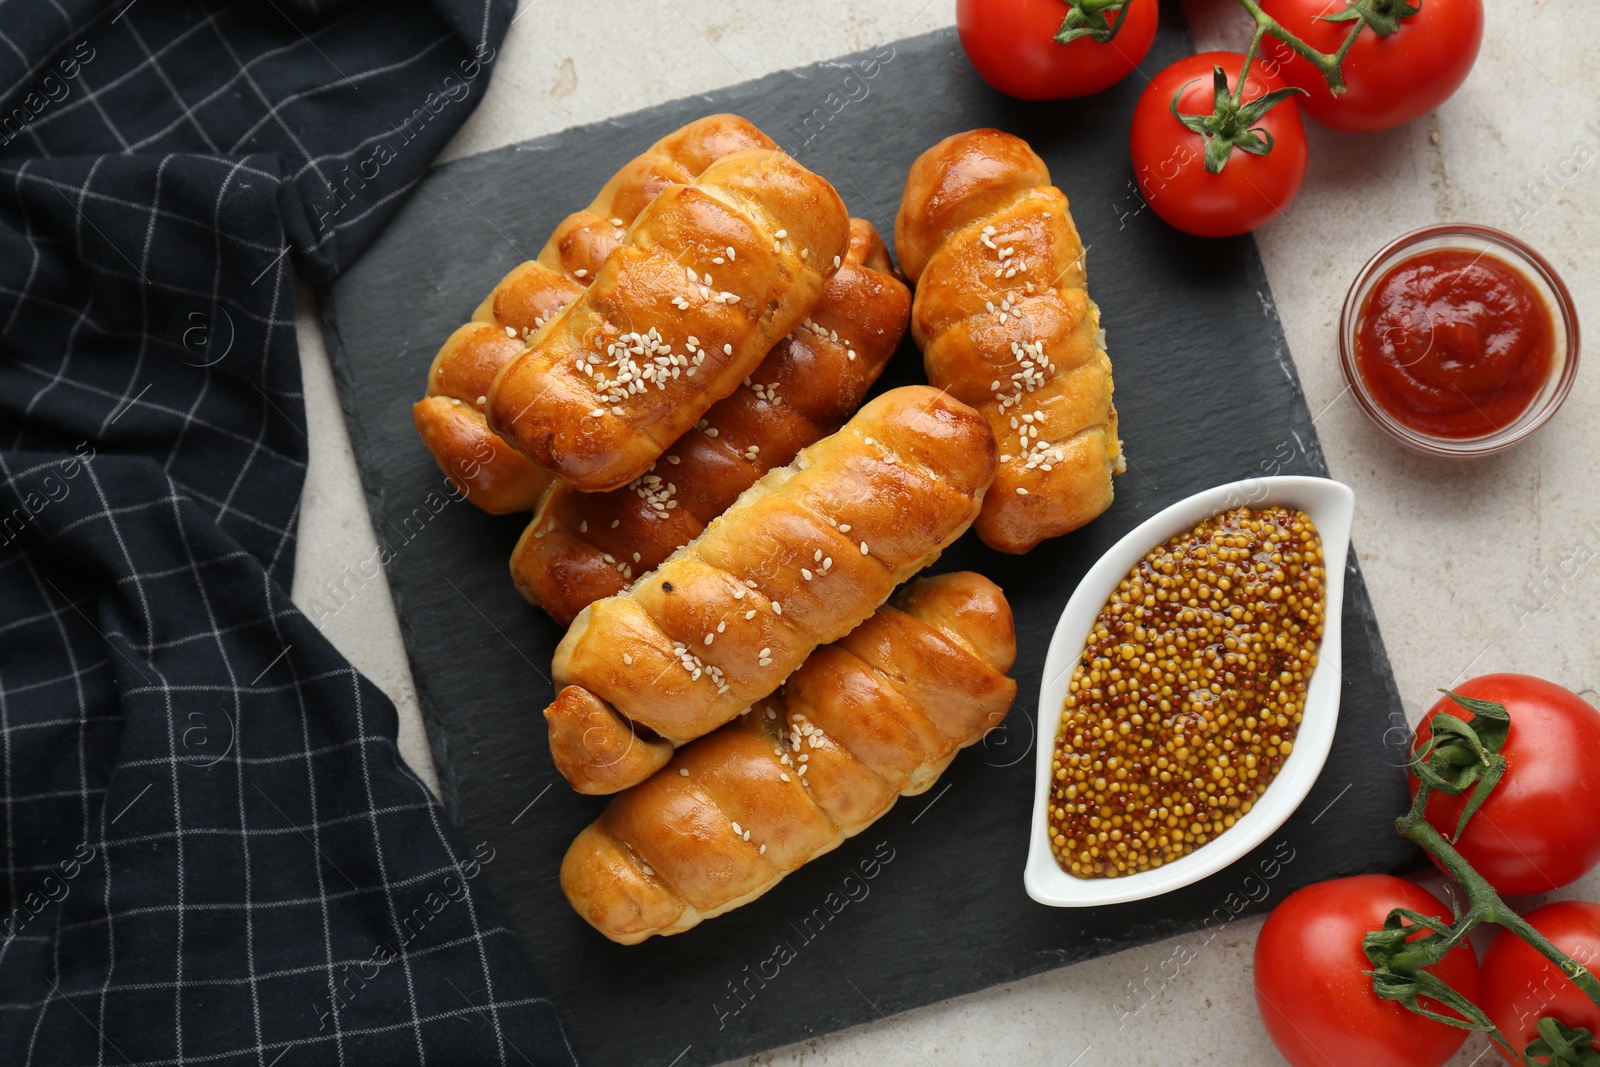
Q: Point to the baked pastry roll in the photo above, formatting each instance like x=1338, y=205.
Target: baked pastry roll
x=877, y=715
x=581, y=547
x=663, y=331
x=1006, y=325
x=801, y=558
x=450, y=418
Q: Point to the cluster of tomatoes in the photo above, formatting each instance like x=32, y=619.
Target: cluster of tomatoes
x=1389, y=80
x=1538, y=830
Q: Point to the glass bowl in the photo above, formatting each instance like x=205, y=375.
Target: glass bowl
x=1539, y=274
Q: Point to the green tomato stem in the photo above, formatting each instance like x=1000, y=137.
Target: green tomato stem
x=1087, y=18
x=1329, y=64
x=1483, y=904
x=1410, y=960
x=1244, y=68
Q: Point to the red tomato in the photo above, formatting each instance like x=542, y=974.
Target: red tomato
x=1520, y=987
x=1169, y=159
x=1388, y=80
x=1537, y=831
x=1318, y=1005
x=1012, y=45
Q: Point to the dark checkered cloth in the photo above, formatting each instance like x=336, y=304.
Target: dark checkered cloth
x=212, y=851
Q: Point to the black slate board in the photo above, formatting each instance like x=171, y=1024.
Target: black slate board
x=1207, y=394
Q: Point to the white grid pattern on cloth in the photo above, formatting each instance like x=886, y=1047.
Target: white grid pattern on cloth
x=229, y=892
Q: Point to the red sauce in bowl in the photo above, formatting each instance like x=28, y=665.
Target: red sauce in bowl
x=1454, y=343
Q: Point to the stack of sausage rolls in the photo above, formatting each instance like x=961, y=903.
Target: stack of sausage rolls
x=675, y=390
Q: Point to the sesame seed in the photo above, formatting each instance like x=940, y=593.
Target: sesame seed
x=781, y=234
x=731, y=254
x=615, y=523
x=1021, y=491
x=762, y=851
x=684, y=771
x=777, y=608
x=510, y=332
x=805, y=572
x=738, y=829
x=482, y=400
x=750, y=614
x=580, y=273
x=784, y=776
x=710, y=638
x=627, y=659
x=864, y=549
x=616, y=222
x=722, y=627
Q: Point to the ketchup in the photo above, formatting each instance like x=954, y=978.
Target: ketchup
x=1454, y=343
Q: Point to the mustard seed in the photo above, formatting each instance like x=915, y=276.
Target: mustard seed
x=1189, y=691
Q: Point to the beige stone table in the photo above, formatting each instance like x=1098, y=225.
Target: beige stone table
x=1488, y=566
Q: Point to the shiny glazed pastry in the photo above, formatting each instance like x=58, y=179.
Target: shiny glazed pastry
x=492, y=474
x=801, y=558
x=876, y=715
x=581, y=547
x=663, y=331
x=1005, y=324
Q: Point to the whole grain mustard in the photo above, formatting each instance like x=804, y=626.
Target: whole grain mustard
x=1189, y=692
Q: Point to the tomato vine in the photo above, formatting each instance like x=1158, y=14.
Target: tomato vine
x=1464, y=755
x=1230, y=123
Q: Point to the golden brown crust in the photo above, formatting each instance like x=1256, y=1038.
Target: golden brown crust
x=1006, y=325
x=492, y=474
x=605, y=386
x=879, y=714
x=580, y=547
x=801, y=558
x=579, y=719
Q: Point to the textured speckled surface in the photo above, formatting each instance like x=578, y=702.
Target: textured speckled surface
x=1449, y=551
